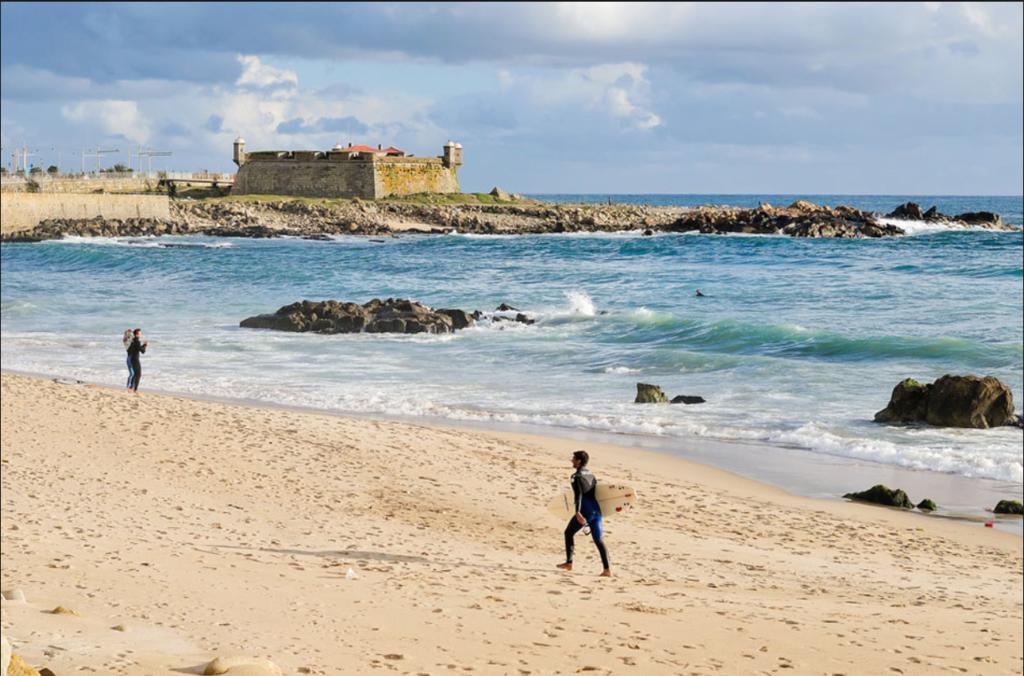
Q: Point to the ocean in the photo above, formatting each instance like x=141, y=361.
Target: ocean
x=795, y=345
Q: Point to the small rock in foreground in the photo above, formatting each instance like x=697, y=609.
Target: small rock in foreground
x=927, y=505
x=1009, y=507
x=883, y=495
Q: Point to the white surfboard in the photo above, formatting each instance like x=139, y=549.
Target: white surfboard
x=613, y=499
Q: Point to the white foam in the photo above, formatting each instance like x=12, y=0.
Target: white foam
x=619, y=369
x=143, y=242
x=926, y=227
x=580, y=303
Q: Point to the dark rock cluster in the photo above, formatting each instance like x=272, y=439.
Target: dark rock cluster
x=394, y=315
x=55, y=228
x=911, y=211
x=799, y=219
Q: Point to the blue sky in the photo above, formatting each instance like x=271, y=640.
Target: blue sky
x=920, y=98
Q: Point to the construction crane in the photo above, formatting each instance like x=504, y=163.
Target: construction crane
x=98, y=153
x=149, y=154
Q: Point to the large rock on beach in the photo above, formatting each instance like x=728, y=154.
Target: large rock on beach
x=394, y=315
x=649, y=394
x=951, y=401
x=1009, y=507
x=880, y=494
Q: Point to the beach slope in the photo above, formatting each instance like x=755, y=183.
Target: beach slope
x=181, y=530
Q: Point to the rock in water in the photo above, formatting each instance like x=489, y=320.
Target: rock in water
x=951, y=401
x=684, y=399
x=460, y=318
x=969, y=401
x=927, y=505
x=985, y=219
x=908, y=403
x=377, y=316
x=882, y=495
x=649, y=394
x=907, y=212
x=1009, y=507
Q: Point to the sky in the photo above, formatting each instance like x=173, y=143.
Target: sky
x=887, y=98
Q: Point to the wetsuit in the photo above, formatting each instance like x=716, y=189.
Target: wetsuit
x=584, y=485
x=134, y=363
x=131, y=371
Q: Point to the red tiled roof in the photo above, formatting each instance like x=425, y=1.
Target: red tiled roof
x=368, y=149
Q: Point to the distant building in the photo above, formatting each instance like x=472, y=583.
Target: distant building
x=345, y=171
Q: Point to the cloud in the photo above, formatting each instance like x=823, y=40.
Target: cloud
x=255, y=73
x=350, y=125
x=117, y=118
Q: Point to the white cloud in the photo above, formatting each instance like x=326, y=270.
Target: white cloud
x=619, y=90
x=116, y=117
x=255, y=73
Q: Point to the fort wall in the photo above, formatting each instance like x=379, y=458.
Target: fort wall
x=306, y=178
x=24, y=211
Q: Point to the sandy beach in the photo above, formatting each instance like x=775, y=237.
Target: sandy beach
x=179, y=531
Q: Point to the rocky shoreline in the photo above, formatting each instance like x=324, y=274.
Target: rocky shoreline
x=231, y=218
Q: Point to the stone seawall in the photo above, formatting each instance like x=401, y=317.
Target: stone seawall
x=47, y=184
x=24, y=211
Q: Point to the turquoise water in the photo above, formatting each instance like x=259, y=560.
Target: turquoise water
x=798, y=342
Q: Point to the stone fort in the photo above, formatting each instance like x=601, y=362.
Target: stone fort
x=345, y=171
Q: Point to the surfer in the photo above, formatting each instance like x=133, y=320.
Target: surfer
x=136, y=348
x=588, y=512
x=699, y=294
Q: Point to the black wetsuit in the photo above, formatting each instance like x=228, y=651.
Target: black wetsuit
x=584, y=485
x=134, y=350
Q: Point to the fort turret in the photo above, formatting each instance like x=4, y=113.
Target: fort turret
x=239, y=154
x=452, y=155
